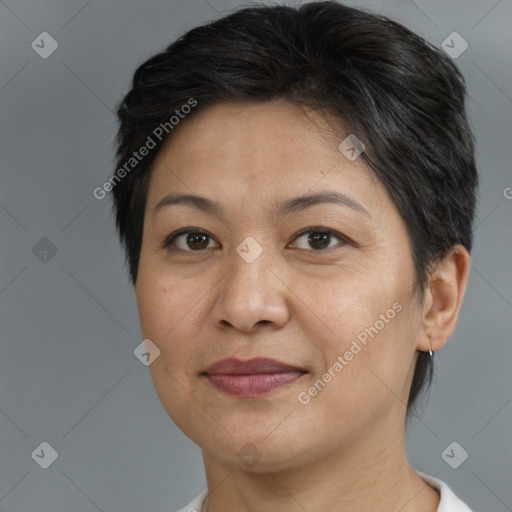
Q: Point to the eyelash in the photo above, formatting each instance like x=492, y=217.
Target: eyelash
x=315, y=229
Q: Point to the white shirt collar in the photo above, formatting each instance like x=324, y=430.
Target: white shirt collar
x=449, y=502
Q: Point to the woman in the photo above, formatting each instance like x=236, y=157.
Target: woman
x=295, y=192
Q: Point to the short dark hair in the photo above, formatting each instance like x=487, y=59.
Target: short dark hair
x=400, y=95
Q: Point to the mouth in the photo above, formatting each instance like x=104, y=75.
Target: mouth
x=253, y=378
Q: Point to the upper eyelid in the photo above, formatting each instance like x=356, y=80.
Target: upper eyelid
x=184, y=231
x=338, y=235
x=318, y=228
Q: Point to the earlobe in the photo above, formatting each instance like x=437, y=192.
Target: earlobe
x=443, y=299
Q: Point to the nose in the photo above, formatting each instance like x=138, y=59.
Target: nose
x=252, y=296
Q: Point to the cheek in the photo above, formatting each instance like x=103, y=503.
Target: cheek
x=349, y=302
x=166, y=317
x=152, y=306
x=377, y=361
x=161, y=299
x=363, y=325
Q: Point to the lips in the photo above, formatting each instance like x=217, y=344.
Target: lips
x=252, y=378
x=252, y=366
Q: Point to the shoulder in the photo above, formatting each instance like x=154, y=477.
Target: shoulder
x=449, y=501
x=196, y=504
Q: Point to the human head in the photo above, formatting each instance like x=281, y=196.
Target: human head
x=403, y=98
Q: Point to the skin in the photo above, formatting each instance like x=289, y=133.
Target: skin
x=345, y=449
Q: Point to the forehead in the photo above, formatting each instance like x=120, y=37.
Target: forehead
x=259, y=152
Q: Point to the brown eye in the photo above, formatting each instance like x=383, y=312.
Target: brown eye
x=316, y=239
x=319, y=239
x=197, y=241
x=189, y=240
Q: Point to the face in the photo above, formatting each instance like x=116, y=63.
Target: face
x=323, y=286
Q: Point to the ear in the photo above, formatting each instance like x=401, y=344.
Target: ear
x=443, y=299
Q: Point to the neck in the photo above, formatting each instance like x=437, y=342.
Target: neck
x=358, y=476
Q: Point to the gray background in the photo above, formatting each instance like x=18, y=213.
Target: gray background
x=69, y=324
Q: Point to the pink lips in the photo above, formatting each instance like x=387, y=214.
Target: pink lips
x=252, y=378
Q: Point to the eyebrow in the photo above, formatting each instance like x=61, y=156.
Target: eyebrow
x=279, y=210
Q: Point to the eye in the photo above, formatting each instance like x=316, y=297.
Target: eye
x=189, y=240
x=319, y=239
x=193, y=240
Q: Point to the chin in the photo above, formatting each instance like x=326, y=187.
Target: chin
x=257, y=457
x=258, y=448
